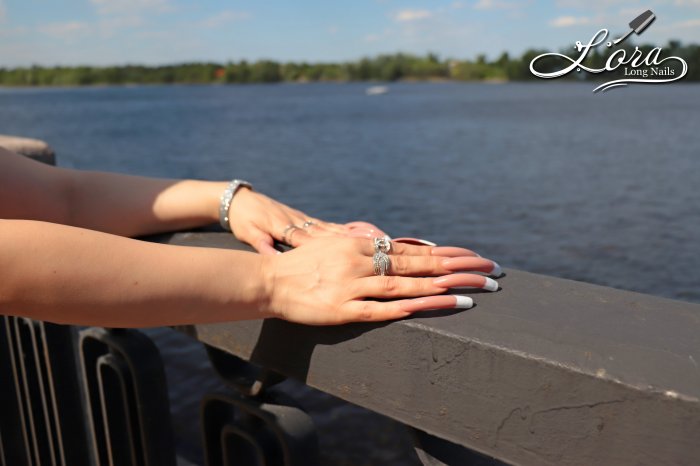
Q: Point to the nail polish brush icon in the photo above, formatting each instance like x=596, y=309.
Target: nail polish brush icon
x=638, y=25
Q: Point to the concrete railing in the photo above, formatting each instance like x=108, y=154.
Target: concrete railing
x=546, y=372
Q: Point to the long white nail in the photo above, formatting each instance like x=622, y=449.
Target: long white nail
x=491, y=284
x=497, y=271
x=463, y=302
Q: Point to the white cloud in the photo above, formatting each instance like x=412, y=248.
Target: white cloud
x=109, y=26
x=222, y=18
x=592, y=4
x=689, y=23
x=497, y=5
x=568, y=21
x=107, y=7
x=404, y=16
x=66, y=30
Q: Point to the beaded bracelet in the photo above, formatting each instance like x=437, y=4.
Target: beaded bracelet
x=226, y=198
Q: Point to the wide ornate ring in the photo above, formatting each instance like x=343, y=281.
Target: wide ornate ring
x=287, y=230
x=381, y=263
x=382, y=244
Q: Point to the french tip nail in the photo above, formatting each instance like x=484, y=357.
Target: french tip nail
x=463, y=302
x=491, y=284
x=279, y=252
x=497, y=270
x=415, y=241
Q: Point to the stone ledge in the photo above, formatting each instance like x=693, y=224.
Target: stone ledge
x=546, y=372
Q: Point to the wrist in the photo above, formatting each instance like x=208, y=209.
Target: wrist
x=266, y=273
x=240, y=285
x=226, y=201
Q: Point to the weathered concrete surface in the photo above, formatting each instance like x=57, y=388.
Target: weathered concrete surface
x=545, y=372
x=32, y=148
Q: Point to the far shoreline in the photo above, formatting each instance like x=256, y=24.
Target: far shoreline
x=303, y=83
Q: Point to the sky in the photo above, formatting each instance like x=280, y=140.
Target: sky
x=107, y=32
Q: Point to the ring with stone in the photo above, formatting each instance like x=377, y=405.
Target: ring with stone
x=307, y=224
x=382, y=244
x=381, y=263
x=288, y=229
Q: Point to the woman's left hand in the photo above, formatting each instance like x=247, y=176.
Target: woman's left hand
x=259, y=221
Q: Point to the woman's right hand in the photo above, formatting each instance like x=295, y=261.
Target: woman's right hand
x=331, y=281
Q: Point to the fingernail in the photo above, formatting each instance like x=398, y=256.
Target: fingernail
x=361, y=224
x=361, y=233
x=463, y=302
x=451, y=251
x=479, y=264
x=490, y=285
x=279, y=252
x=449, y=301
x=458, y=280
x=415, y=241
x=461, y=280
x=376, y=231
x=497, y=271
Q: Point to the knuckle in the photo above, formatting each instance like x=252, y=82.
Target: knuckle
x=355, y=262
x=365, y=312
x=390, y=284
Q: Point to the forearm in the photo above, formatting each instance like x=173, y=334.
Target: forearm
x=120, y=204
x=133, y=206
x=75, y=276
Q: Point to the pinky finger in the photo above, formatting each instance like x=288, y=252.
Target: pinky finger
x=450, y=301
x=374, y=311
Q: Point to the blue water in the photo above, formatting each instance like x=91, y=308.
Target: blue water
x=544, y=177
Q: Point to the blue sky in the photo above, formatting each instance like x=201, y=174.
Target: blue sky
x=100, y=32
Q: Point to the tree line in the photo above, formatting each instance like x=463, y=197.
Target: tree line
x=392, y=67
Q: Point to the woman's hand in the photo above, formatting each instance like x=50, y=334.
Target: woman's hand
x=259, y=221
x=331, y=281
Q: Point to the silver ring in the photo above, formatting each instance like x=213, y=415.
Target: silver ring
x=307, y=224
x=382, y=244
x=289, y=228
x=381, y=263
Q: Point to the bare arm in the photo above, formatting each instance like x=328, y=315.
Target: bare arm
x=70, y=275
x=114, y=203
x=75, y=275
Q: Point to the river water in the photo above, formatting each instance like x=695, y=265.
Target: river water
x=545, y=177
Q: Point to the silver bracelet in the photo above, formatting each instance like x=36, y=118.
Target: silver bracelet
x=226, y=198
